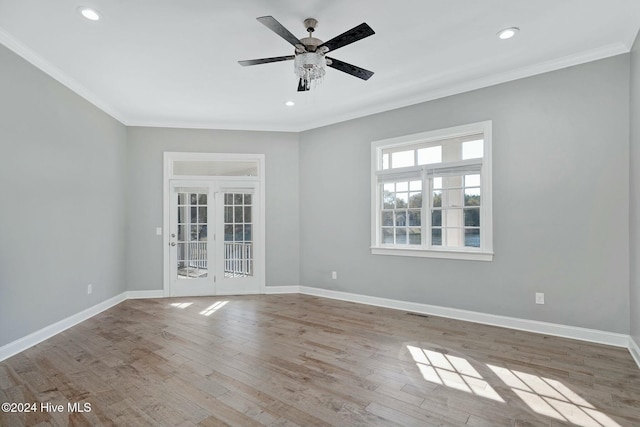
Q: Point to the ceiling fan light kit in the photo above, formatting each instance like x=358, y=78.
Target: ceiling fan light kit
x=310, y=66
x=309, y=57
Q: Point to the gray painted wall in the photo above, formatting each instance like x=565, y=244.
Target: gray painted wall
x=634, y=194
x=144, y=190
x=82, y=196
x=62, y=212
x=561, y=207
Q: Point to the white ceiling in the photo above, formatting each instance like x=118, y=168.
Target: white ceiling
x=174, y=63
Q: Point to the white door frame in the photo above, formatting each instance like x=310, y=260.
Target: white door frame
x=168, y=175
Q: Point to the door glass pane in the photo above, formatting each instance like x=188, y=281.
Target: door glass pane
x=238, y=235
x=191, y=240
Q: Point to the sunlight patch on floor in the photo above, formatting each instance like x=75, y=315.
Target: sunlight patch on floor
x=552, y=398
x=451, y=371
x=213, y=308
x=180, y=304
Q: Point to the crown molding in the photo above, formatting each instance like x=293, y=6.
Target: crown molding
x=427, y=90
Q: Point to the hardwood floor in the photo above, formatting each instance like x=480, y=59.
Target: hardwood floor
x=296, y=360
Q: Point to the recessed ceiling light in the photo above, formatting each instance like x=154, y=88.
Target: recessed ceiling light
x=90, y=14
x=507, y=33
x=289, y=103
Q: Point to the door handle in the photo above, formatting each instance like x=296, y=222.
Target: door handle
x=172, y=243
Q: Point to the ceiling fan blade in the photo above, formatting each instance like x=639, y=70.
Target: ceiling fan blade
x=271, y=23
x=361, y=73
x=348, y=37
x=265, y=60
x=303, y=85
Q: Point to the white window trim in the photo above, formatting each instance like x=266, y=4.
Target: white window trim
x=485, y=252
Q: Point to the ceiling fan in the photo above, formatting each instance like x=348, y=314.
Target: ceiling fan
x=309, y=56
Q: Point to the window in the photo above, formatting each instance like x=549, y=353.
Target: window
x=431, y=194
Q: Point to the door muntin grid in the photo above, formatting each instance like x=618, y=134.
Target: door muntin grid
x=192, y=260
x=238, y=234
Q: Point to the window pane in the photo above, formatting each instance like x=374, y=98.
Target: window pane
x=228, y=214
x=193, y=199
x=415, y=236
x=402, y=200
x=436, y=218
x=402, y=186
x=237, y=199
x=472, y=217
x=193, y=233
x=429, y=155
x=389, y=200
x=202, y=215
x=437, y=182
x=202, y=199
x=247, y=211
x=402, y=159
x=181, y=233
x=228, y=199
x=415, y=200
x=202, y=234
x=401, y=236
x=472, y=180
x=414, y=218
x=415, y=186
x=237, y=213
x=182, y=199
x=247, y=199
x=436, y=237
x=228, y=233
x=385, y=161
x=387, y=235
x=472, y=197
x=472, y=237
x=247, y=233
x=437, y=199
x=401, y=218
x=387, y=218
x=237, y=233
x=194, y=214
x=389, y=187
x=472, y=149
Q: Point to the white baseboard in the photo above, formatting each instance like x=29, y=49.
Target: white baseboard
x=272, y=290
x=47, y=332
x=145, y=294
x=583, y=334
x=634, y=349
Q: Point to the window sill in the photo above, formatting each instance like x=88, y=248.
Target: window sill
x=430, y=253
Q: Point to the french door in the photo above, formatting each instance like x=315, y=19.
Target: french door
x=214, y=237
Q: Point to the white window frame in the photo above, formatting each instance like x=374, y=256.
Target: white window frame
x=485, y=251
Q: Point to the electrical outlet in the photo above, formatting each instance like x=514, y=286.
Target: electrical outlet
x=158, y=231
x=539, y=298
x=89, y=289
x=334, y=275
